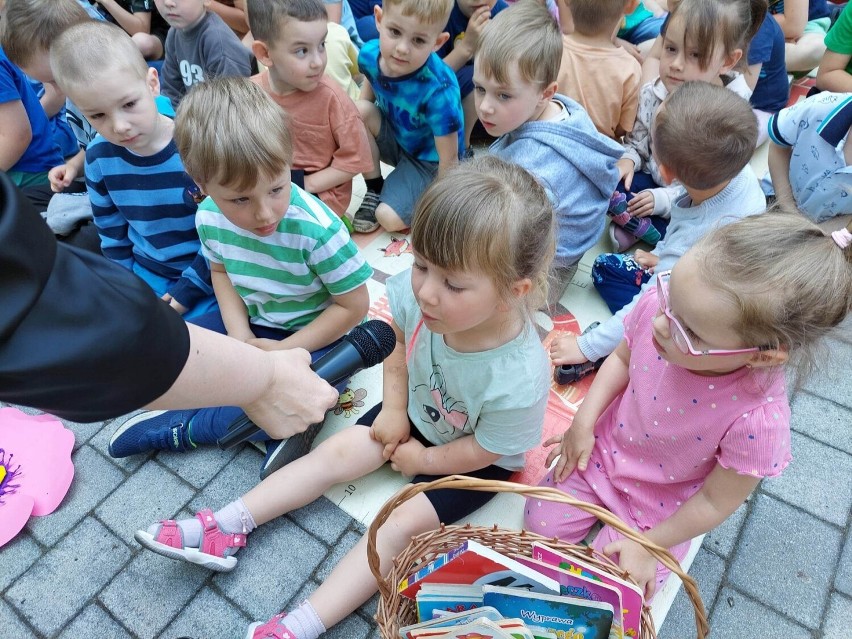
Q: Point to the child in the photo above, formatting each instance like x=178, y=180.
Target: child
x=284, y=269
x=810, y=157
x=411, y=106
x=703, y=137
x=331, y=146
x=597, y=73
x=693, y=405
x=548, y=134
x=465, y=389
x=139, y=192
x=702, y=40
x=141, y=20
x=199, y=46
x=805, y=24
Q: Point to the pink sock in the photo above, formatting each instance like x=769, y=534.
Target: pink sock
x=303, y=622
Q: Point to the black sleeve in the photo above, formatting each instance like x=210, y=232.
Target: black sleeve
x=80, y=337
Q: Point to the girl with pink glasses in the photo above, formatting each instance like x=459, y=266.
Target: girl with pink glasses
x=691, y=410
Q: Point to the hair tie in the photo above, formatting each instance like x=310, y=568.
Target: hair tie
x=843, y=238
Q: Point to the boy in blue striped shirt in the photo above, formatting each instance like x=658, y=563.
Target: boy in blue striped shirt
x=141, y=197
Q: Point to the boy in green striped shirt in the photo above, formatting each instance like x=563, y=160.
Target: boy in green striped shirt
x=285, y=272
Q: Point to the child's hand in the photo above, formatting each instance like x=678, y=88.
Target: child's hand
x=626, y=168
x=631, y=48
x=642, y=204
x=633, y=558
x=391, y=428
x=575, y=448
x=564, y=350
x=646, y=260
x=60, y=177
x=180, y=308
x=264, y=344
x=406, y=459
x=475, y=26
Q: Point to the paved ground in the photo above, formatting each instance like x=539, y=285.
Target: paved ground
x=781, y=567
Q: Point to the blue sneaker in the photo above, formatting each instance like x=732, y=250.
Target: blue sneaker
x=152, y=430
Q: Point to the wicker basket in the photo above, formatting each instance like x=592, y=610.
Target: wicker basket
x=395, y=611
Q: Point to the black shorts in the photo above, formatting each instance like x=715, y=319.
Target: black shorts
x=451, y=504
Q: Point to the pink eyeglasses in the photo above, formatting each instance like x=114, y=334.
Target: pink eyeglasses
x=678, y=333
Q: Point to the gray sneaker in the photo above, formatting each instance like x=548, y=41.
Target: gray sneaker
x=365, y=217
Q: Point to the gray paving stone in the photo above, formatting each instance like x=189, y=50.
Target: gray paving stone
x=843, y=581
x=722, y=539
x=94, y=479
x=352, y=627
x=832, y=380
x=823, y=420
x=838, y=619
x=208, y=615
x=151, y=591
x=150, y=494
x=803, y=483
x=322, y=519
x=11, y=623
x=777, y=563
x=235, y=479
x=707, y=570
x=15, y=557
x=94, y=622
x=737, y=615
x=197, y=466
x=343, y=546
x=100, y=442
x=77, y=567
x=279, y=558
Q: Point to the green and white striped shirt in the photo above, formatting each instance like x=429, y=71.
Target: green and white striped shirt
x=286, y=279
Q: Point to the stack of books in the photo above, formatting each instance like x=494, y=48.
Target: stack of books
x=475, y=592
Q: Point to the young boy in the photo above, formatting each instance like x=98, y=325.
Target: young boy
x=598, y=73
x=410, y=103
x=548, y=134
x=704, y=136
x=140, y=194
x=285, y=271
x=199, y=46
x=810, y=157
x=331, y=146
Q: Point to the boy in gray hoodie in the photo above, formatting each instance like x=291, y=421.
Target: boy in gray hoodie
x=550, y=135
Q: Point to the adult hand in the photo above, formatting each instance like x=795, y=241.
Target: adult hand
x=633, y=558
x=295, y=396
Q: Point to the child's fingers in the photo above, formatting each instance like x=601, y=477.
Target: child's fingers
x=388, y=451
x=556, y=439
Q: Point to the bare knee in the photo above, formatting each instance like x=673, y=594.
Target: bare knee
x=370, y=116
x=389, y=219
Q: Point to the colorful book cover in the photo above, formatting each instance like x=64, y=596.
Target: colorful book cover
x=576, y=585
x=568, y=617
x=631, y=596
x=476, y=564
x=446, y=597
x=448, y=619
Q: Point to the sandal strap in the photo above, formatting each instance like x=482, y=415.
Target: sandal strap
x=170, y=534
x=213, y=540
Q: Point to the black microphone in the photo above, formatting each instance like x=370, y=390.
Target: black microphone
x=363, y=347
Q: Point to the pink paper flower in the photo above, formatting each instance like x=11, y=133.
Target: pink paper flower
x=35, y=468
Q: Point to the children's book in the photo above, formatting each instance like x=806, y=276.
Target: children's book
x=446, y=619
x=573, y=584
x=480, y=629
x=631, y=596
x=446, y=597
x=476, y=564
x=568, y=617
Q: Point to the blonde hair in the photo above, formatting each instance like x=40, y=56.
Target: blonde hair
x=30, y=26
x=266, y=18
x=90, y=50
x=228, y=130
x=524, y=34
x=704, y=133
x=596, y=17
x=789, y=281
x=431, y=12
x=491, y=216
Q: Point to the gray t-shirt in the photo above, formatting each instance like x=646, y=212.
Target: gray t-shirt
x=499, y=396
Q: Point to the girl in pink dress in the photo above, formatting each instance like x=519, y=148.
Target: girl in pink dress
x=691, y=410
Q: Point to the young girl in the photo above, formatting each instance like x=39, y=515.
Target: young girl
x=702, y=40
x=691, y=410
x=464, y=391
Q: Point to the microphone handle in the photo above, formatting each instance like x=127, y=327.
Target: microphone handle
x=240, y=430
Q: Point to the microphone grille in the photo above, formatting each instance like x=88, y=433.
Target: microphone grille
x=375, y=340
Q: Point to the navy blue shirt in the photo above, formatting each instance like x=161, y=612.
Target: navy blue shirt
x=457, y=24
x=767, y=48
x=816, y=8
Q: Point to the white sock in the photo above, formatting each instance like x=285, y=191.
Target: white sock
x=233, y=518
x=304, y=622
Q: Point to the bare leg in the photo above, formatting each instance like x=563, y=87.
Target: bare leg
x=150, y=46
x=804, y=54
x=351, y=583
x=344, y=456
x=470, y=117
x=389, y=219
x=372, y=119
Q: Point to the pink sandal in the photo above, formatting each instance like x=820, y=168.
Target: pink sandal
x=214, y=543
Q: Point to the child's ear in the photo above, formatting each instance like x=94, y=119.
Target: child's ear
x=521, y=287
x=377, y=15
x=152, y=79
x=441, y=40
x=731, y=61
x=548, y=92
x=773, y=357
x=666, y=173
x=261, y=52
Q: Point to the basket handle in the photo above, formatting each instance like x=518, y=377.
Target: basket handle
x=551, y=494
